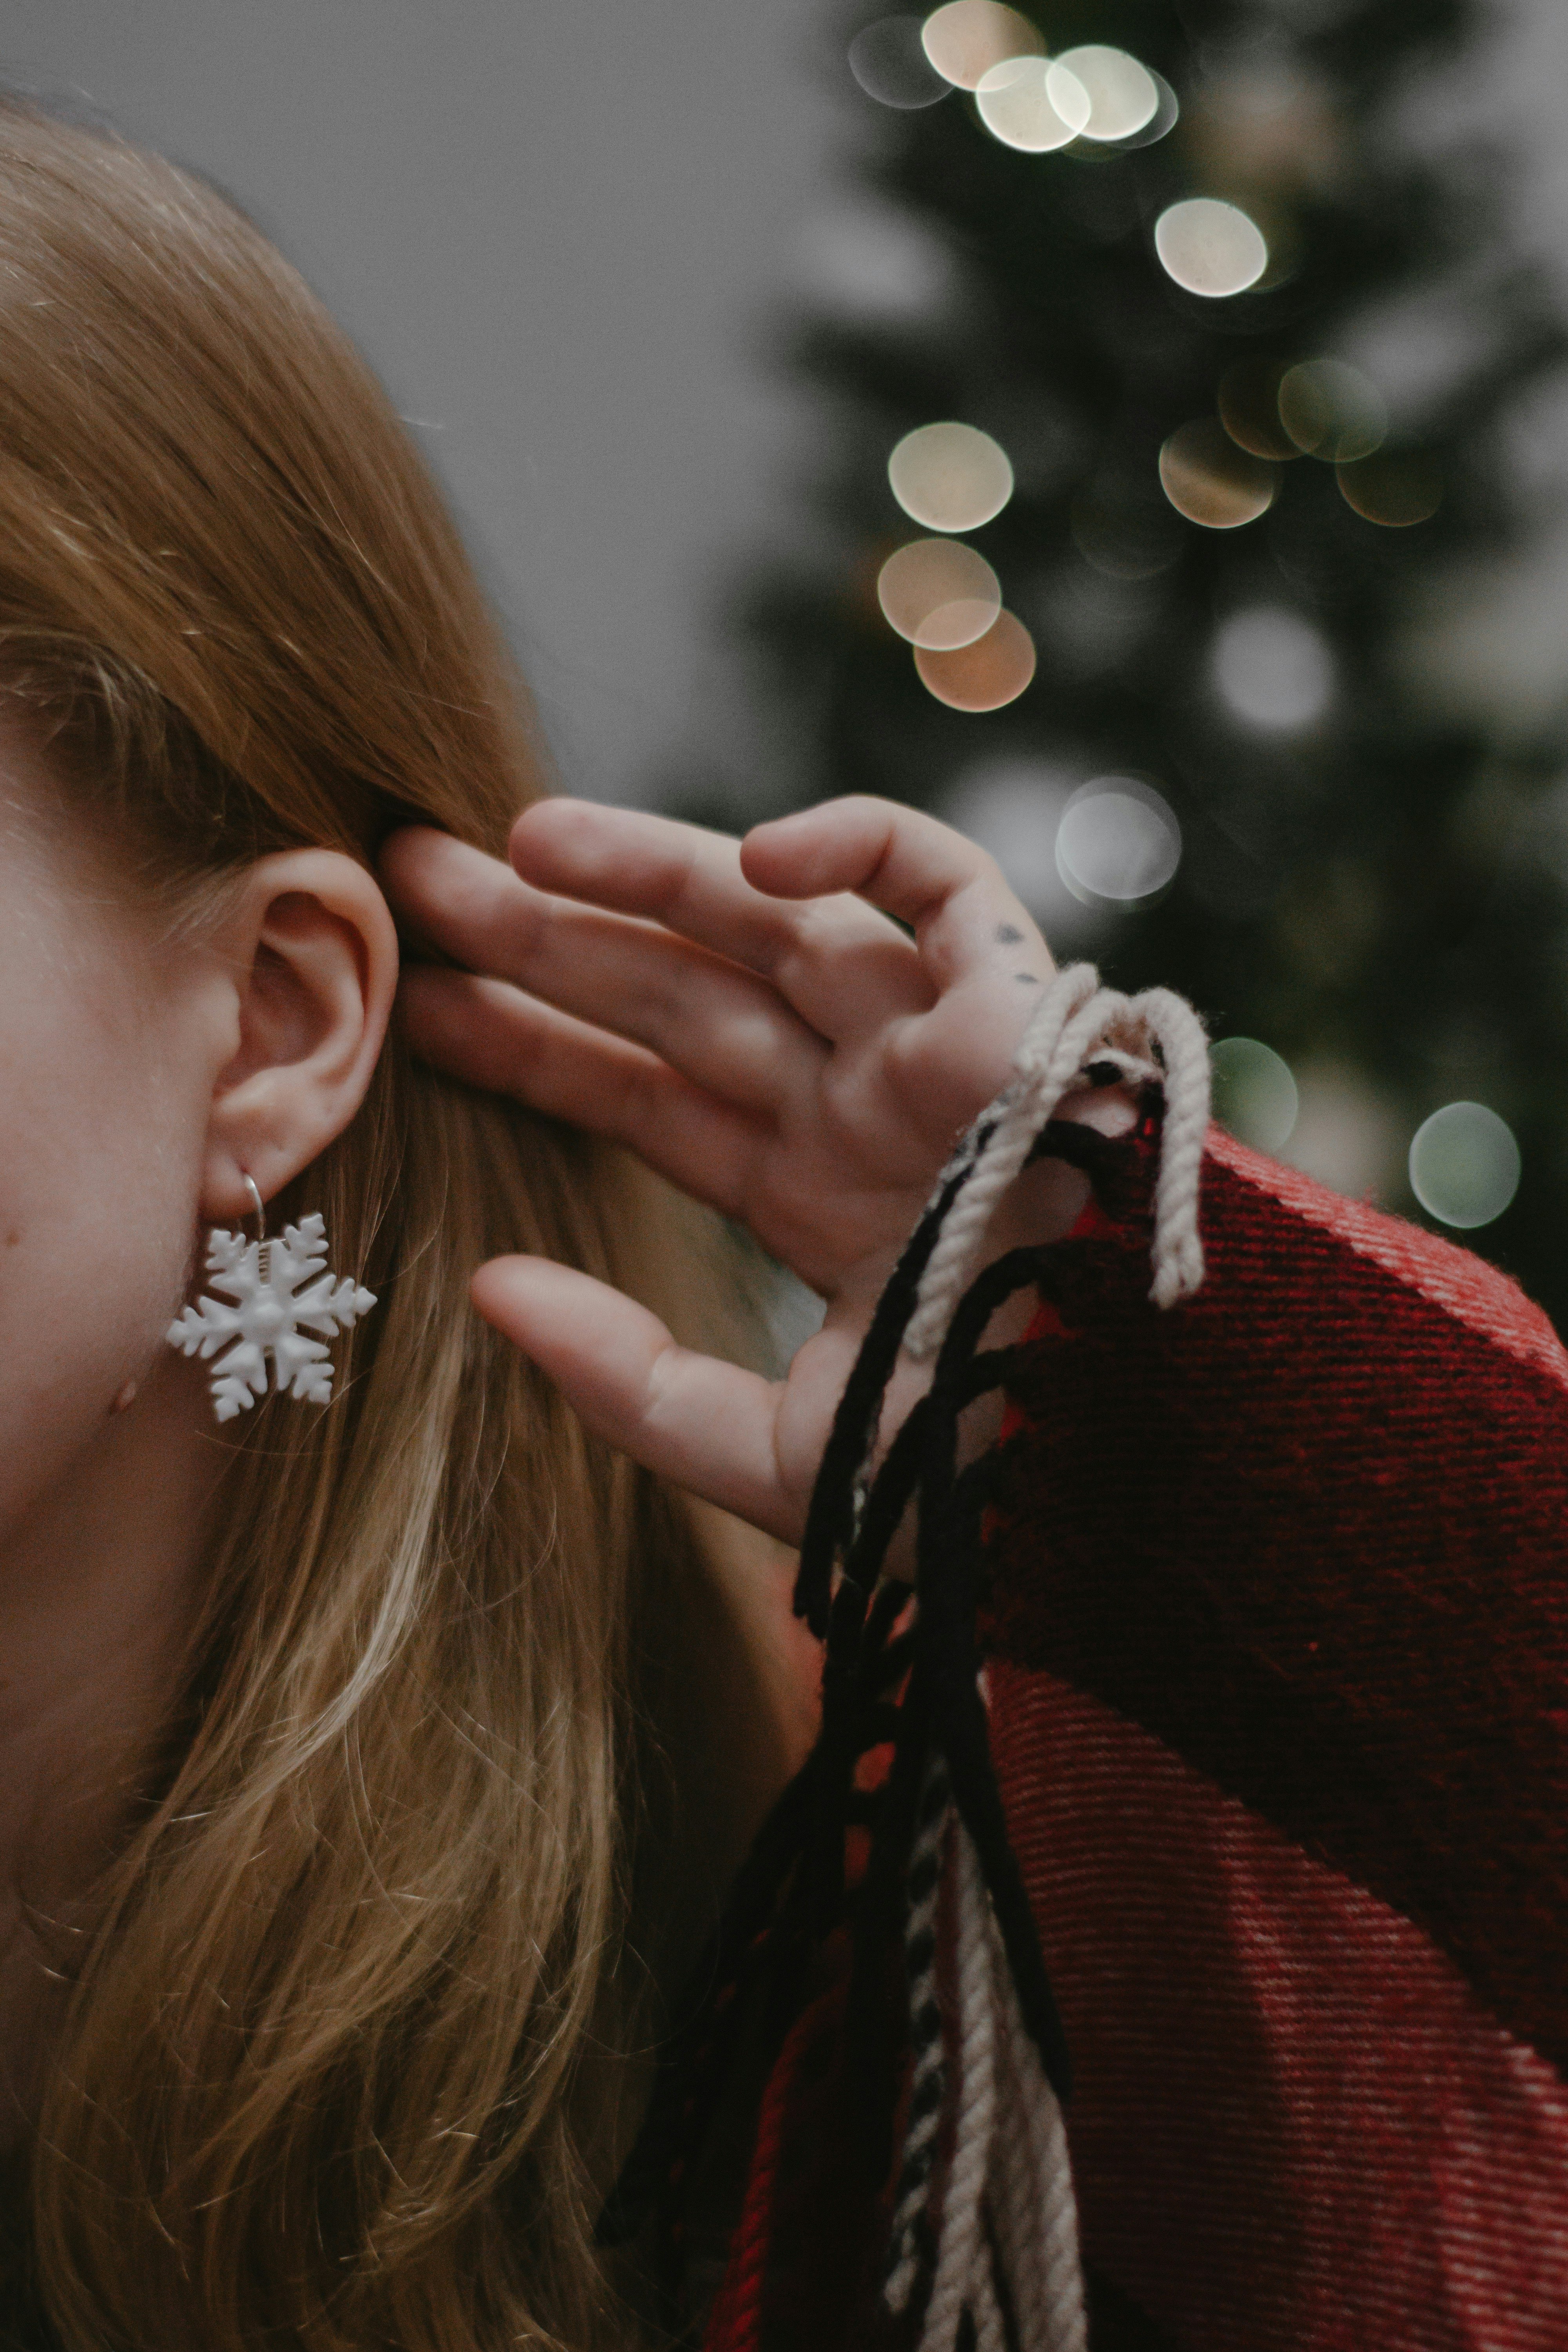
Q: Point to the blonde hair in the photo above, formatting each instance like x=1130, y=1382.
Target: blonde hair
x=329, y=2075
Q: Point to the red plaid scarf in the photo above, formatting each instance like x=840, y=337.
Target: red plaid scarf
x=1275, y=1623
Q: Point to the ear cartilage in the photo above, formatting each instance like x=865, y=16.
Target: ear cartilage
x=270, y=1315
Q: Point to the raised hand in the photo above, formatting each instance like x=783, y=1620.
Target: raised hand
x=747, y=1017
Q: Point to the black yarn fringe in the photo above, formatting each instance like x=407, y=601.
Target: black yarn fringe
x=901, y=1666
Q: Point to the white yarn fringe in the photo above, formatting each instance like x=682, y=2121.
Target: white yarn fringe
x=1009, y=2158
x=926, y=2075
x=1007, y=2217
x=990, y=2327
x=1037, y=2214
x=962, y=2251
x=1153, y=1036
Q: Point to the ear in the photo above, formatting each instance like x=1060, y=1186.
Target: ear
x=310, y=950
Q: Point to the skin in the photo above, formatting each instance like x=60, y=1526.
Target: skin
x=747, y=1015
x=140, y=1075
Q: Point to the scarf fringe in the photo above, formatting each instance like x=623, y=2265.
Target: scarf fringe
x=983, y=2238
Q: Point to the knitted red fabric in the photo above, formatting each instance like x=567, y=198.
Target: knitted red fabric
x=1277, y=1626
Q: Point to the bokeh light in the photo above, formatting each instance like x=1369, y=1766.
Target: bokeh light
x=1273, y=668
x=1118, y=844
x=1123, y=96
x=950, y=477
x=984, y=676
x=1012, y=808
x=1464, y=1165
x=967, y=37
x=1029, y=103
x=938, y=593
x=1331, y=411
x=1254, y=1094
x=1396, y=489
x=1211, y=481
x=1347, y=1134
x=1250, y=409
x=1210, y=247
x=888, y=61
x=1166, y=115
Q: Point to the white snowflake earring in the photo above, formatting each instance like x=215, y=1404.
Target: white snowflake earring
x=262, y=1278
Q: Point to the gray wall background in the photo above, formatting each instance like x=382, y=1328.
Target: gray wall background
x=556, y=230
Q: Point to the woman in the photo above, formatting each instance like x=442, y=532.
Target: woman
x=328, y=1938
x=372, y=1755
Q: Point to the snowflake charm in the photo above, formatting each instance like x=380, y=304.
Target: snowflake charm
x=262, y=1278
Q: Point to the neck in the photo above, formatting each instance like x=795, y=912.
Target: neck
x=99, y=1585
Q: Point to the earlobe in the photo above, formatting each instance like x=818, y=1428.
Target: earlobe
x=312, y=953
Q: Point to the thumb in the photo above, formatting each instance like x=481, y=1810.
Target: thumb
x=704, y=1424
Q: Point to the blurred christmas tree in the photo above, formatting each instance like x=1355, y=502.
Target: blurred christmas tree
x=1232, y=361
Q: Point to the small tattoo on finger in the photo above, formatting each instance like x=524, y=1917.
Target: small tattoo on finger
x=1007, y=936
x=1027, y=978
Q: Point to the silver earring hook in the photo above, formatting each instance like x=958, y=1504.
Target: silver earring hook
x=257, y=1210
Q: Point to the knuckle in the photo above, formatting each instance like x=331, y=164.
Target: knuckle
x=908, y=1056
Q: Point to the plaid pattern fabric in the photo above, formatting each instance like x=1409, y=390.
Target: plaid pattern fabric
x=1275, y=1621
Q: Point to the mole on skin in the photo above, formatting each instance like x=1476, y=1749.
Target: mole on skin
x=1007, y=937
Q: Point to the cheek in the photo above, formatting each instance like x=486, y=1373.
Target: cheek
x=100, y=1159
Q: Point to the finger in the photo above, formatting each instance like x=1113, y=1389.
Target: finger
x=451, y=898
x=723, y=1027
x=965, y=919
x=490, y=1036
x=837, y=962
x=704, y=1424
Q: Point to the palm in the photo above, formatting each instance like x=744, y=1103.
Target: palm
x=836, y=1184
x=745, y=1018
